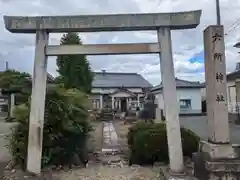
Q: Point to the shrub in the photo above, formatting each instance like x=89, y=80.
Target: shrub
x=141, y=126
x=65, y=132
x=148, y=143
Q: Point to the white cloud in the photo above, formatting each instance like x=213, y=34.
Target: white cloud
x=18, y=49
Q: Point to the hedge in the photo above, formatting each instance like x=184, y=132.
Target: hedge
x=148, y=143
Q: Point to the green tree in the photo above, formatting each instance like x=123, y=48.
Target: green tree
x=18, y=82
x=74, y=70
x=65, y=132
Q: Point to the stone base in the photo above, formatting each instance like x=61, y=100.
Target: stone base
x=216, y=151
x=168, y=175
x=209, y=165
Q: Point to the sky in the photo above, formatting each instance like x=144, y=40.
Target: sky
x=18, y=49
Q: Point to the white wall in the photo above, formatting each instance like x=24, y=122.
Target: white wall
x=231, y=95
x=231, y=92
x=99, y=91
x=190, y=93
x=159, y=100
x=93, y=96
x=121, y=94
x=111, y=90
x=193, y=94
x=203, y=93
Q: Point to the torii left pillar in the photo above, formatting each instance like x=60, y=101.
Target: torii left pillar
x=36, y=121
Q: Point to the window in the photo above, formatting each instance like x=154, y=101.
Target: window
x=185, y=103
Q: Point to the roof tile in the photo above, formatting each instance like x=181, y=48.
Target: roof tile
x=182, y=84
x=110, y=79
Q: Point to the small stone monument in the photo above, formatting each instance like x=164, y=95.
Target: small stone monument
x=148, y=112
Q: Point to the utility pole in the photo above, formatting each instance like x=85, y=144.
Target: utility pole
x=218, y=14
x=6, y=65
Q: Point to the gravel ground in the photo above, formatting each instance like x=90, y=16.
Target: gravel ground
x=112, y=173
x=99, y=172
x=93, y=172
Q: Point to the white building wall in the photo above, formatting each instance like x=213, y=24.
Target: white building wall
x=111, y=90
x=231, y=95
x=159, y=99
x=121, y=94
x=203, y=93
x=193, y=94
x=231, y=92
x=96, y=99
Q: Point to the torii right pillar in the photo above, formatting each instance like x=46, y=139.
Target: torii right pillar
x=217, y=159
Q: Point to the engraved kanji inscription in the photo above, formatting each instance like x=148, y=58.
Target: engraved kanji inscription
x=219, y=77
x=220, y=98
x=217, y=56
x=216, y=37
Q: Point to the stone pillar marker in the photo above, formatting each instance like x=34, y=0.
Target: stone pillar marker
x=216, y=91
x=113, y=102
x=138, y=100
x=101, y=101
x=217, y=158
x=171, y=106
x=12, y=101
x=36, y=120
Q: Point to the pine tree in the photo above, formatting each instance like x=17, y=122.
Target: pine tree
x=74, y=70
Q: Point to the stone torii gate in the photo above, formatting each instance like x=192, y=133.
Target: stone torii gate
x=163, y=23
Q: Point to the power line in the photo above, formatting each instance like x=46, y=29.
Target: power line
x=233, y=27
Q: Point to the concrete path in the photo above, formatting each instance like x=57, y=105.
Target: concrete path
x=110, y=138
x=110, y=146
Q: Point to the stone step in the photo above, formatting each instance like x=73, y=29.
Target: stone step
x=106, y=114
x=110, y=151
x=110, y=159
x=106, y=117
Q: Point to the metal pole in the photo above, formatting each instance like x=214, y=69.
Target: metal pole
x=218, y=12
